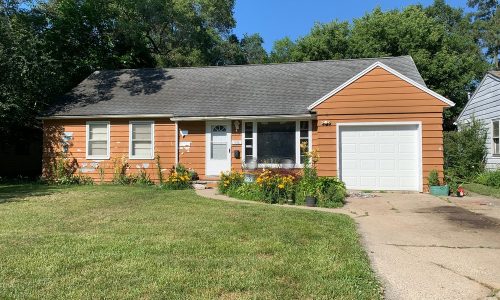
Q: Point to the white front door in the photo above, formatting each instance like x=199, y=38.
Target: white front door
x=375, y=157
x=218, y=147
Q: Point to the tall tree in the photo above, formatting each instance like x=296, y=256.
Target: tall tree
x=282, y=51
x=325, y=41
x=253, y=49
x=487, y=25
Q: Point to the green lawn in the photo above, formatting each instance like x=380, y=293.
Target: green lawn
x=134, y=242
x=482, y=189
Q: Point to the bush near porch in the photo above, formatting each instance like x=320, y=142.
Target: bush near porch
x=286, y=186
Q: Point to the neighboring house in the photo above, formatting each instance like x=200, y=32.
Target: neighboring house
x=484, y=105
x=373, y=122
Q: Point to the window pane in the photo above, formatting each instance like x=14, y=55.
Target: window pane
x=304, y=129
x=98, y=132
x=496, y=146
x=141, y=132
x=495, y=128
x=219, y=150
x=248, y=130
x=303, y=151
x=141, y=149
x=98, y=148
x=275, y=141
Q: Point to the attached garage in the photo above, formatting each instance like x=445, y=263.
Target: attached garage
x=380, y=130
x=380, y=156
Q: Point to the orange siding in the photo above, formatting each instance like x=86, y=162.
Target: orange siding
x=119, y=147
x=193, y=154
x=380, y=96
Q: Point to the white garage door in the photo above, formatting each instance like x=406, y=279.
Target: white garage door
x=380, y=157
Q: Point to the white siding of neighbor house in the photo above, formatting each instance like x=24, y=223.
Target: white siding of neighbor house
x=485, y=106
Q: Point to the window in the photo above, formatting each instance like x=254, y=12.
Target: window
x=219, y=142
x=248, y=142
x=98, y=140
x=304, y=139
x=496, y=137
x=142, y=140
x=276, y=142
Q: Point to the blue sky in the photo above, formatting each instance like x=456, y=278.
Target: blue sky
x=275, y=19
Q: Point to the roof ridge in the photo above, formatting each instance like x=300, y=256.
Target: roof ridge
x=261, y=65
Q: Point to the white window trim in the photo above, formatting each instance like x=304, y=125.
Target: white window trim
x=87, y=141
x=298, y=165
x=130, y=124
x=492, y=137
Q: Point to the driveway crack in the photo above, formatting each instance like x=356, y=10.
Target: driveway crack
x=492, y=289
x=443, y=246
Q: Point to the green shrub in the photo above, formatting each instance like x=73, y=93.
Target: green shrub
x=142, y=178
x=433, y=178
x=489, y=178
x=247, y=191
x=330, y=191
x=275, y=187
x=465, y=150
x=230, y=181
x=178, y=179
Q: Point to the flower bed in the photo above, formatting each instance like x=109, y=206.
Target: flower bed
x=285, y=186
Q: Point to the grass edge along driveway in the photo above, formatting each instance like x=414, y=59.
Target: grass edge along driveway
x=141, y=242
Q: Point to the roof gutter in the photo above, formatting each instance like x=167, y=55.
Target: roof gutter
x=107, y=117
x=268, y=117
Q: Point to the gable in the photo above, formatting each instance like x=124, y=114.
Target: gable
x=380, y=83
x=485, y=102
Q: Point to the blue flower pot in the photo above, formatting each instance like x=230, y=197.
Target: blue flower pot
x=440, y=190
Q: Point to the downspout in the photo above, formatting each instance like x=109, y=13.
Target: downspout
x=176, y=143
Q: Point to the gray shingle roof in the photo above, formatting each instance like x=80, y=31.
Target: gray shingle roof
x=272, y=89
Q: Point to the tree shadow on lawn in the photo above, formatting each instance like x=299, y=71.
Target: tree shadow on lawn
x=11, y=192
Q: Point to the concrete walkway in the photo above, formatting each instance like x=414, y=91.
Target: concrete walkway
x=424, y=247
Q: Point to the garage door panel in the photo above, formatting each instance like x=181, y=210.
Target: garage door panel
x=381, y=157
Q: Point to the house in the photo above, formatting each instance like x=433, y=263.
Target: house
x=373, y=122
x=484, y=105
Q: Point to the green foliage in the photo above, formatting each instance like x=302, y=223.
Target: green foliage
x=178, y=179
x=433, y=178
x=159, y=170
x=331, y=192
x=64, y=172
x=253, y=50
x=487, y=26
x=465, y=150
x=489, y=178
x=229, y=181
x=142, y=178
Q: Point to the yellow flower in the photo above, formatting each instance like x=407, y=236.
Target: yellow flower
x=281, y=186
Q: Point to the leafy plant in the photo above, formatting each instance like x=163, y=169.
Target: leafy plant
x=120, y=166
x=489, y=178
x=229, y=181
x=143, y=178
x=159, y=170
x=465, y=150
x=331, y=192
x=433, y=178
x=178, y=179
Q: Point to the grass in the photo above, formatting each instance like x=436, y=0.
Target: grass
x=141, y=242
x=482, y=189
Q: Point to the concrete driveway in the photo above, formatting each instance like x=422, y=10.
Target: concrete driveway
x=424, y=247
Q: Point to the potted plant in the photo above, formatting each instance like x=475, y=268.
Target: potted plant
x=435, y=187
